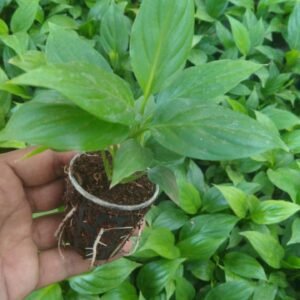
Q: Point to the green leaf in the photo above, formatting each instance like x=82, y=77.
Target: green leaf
x=273, y=211
x=287, y=180
x=104, y=278
x=170, y=217
x=265, y=291
x=244, y=265
x=124, y=291
x=292, y=140
x=184, y=289
x=30, y=60
x=64, y=46
x=62, y=127
x=160, y=41
x=266, y=246
x=161, y=241
x=234, y=290
x=72, y=295
x=293, y=36
x=154, y=276
x=130, y=158
x=205, y=83
x=202, y=269
x=236, y=199
x=210, y=132
x=19, y=42
x=215, y=8
x=202, y=236
x=100, y=93
x=240, y=35
x=295, y=238
x=51, y=292
x=24, y=15
x=115, y=30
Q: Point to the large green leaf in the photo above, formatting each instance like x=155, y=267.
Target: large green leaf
x=124, y=291
x=184, y=289
x=160, y=42
x=210, y=132
x=244, y=265
x=62, y=127
x=204, y=83
x=103, y=278
x=293, y=36
x=233, y=290
x=295, y=238
x=266, y=246
x=273, y=211
x=51, y=292
x=24, y=15
x=154, y=276
x=64, y=45
x=102, y=94
x=202, y=236
x=130, y=158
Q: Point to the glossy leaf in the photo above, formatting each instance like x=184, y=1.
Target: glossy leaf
x=210, y=132
x=160, y=41
x=104, y=278
x=265, y=291
x=184, y=289
x=51, y=292
x=287, y=180
x=273, y=211
x=154, y=276
x=24, y=15
x=234, y=290
x=102, y=94
x=130, y=158
x=216, y=7
x=125, y=291
x=240, y=35
x=64, y=46
x=262, y=243
x=62, y=127
x=236, y=199
x=205, y=83
x=244, y=265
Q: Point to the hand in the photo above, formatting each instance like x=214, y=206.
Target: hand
x=29, y=258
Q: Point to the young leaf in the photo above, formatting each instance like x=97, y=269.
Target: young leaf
x=184, y=289
x=160, y=41
x=244, y=265
x=287, y=180
x=30, y=60
x=62, y=127
x=24, y=15
x=266, y=246
x=100, y=93
x=273, y=211
x=154, y=276
x=64, y=45
x=103, y=278
x=19, y=42
x=204, y=83
x=210, y=132
x=240, y=35
x=130, y=158
x=293, y=36
x=236, y=199
x=215, y=8
x=233, y=290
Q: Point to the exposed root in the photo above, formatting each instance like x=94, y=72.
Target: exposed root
x=137, y=242
x=60, y=242
x=118, y=248
x=94, y=256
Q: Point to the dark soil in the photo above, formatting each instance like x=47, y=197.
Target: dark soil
x=82, y=229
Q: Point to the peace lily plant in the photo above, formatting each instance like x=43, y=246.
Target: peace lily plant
x=173, y=111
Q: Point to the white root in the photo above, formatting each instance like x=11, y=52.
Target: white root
x=60, y=242
x=63, y=222
x=137, y=242
x=95, y=246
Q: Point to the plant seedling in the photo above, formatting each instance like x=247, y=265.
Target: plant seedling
x=170, y=112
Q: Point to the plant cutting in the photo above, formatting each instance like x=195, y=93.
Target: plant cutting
x=127, y=129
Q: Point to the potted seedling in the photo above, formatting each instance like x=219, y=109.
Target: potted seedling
x=122, y=136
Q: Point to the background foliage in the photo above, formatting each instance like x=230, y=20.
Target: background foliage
x=232, y=230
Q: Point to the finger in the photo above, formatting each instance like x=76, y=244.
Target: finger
x=43, y=231
x=46, y=197
x=39, y=169
x=53, y=267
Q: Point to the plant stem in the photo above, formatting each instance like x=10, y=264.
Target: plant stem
x=144, y=104
x=107, y=165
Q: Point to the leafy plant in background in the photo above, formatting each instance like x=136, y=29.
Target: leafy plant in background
x=224, y=235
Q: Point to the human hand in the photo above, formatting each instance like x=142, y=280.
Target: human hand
x=29, y=257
